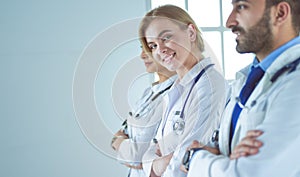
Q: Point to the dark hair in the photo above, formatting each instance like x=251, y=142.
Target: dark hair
x=295, y=11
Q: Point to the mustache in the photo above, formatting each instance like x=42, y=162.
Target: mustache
x=237, y=28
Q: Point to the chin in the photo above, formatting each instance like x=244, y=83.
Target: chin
x=171, y=68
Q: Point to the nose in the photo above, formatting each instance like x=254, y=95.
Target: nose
x=143, y=55
x=231, y=20
x=162, y=49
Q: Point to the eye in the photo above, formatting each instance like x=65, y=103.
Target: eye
x=166, y=38
x=241, y=7
x=152, y=46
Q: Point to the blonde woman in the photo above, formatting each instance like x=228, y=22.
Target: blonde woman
x=132, y=141
x=193, y=106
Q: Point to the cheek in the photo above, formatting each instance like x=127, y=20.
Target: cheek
x=181, y=45
x=156, y=56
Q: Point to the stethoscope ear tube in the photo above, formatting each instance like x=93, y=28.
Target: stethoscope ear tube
x=289, y=67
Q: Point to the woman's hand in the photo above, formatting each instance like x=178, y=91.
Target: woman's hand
x=118, y=138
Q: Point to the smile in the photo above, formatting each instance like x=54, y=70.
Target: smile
x=168, y=58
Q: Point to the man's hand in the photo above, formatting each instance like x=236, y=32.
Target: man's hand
x=196, y=144
x=248, y=146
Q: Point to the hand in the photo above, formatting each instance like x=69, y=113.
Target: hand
x=121, y=133
x=118, y=138
x=196, y=144
x=248, y=146
x=159, y=165
x=158, y=152
x=137, y=167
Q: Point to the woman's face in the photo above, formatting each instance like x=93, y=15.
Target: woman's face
x=169, y=44
x=152, y=65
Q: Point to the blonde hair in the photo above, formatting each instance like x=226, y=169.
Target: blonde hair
x=173, y=13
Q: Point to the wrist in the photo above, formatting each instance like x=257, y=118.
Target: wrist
x=116, y=141
x=188, y=156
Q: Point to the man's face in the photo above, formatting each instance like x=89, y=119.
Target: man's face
x=251, y=23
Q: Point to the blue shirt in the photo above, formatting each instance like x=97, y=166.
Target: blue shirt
x=266, y=63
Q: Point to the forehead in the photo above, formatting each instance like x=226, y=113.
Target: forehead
x=248, y=1
x=159, y=25
x=236, y=1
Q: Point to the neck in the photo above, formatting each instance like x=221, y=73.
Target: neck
x=191, y=61
x=165, y=76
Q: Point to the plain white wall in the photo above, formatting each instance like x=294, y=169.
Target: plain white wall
x=40, y=44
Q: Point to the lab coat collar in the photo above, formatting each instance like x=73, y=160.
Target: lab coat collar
x=285, y=58
x=161, y=86
x=191, y=74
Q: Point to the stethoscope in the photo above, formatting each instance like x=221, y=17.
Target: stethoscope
x=287, y=68
x=179, y=122
x=141, y=111
x=290, y=67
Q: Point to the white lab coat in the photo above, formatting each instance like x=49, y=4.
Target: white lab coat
x=141, y=130
x=201, y=115
x=276, y=113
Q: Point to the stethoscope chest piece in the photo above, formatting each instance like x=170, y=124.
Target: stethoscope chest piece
x=178, y=126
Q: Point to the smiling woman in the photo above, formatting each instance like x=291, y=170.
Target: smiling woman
x=195, y=101
x=211, y=18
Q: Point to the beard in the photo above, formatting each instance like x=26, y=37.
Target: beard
x=258, y=39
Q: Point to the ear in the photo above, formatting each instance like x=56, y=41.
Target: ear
x=192, y=32
x=282, y=12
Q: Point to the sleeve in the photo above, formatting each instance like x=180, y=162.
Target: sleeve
x=279, y=155
x=132, y=151
x=202, y=117
x=142, y=131
x=148, y=158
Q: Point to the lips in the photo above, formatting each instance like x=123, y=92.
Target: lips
x=168, y=58
x=148, y=63
x=238, y=31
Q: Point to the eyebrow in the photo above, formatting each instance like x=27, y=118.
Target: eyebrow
x=159, y=35
x=163, y=32
x=236, y=1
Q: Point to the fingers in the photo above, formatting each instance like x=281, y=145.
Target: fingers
x=137, y=167
x=195, y=144
x=255, y=133
x=121, y=133
x=157, y=151
x=212, y=150
x=182, y=168
x=251, y=139
x=248, y=146
x=116, y=141
x=243, y=151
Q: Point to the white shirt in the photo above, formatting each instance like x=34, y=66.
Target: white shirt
x=276, y=113
x=201, y=115
x=142, y=128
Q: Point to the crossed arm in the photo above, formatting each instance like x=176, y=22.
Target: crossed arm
x=247, y=147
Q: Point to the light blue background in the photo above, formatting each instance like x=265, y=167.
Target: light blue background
x=40, y=44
